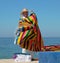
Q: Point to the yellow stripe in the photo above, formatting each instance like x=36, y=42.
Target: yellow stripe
x=19, y=38
x=34, y=22
x=30, y=18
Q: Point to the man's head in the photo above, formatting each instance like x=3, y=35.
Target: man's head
x=24, y=12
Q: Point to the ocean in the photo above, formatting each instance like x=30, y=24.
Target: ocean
x=7, y=47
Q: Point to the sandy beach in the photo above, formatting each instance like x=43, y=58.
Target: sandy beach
x=12, y=61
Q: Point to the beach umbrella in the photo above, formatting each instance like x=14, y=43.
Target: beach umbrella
x=28, y=35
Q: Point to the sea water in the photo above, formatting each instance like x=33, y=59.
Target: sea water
x=7, y=47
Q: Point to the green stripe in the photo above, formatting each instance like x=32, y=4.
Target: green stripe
x=27, y=33
x=30, y=20
x=26, y=38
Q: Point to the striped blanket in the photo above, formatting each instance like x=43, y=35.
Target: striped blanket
x=28, y=35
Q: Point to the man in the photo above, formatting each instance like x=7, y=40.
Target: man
x=29, y=36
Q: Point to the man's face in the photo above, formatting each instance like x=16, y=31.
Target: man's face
x=25, y=14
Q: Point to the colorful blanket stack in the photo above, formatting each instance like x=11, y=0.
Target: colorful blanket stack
x=28, y=35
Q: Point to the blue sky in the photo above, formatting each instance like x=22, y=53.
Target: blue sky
x=48, y=14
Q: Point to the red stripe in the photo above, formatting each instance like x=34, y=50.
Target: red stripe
x=23, y=34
